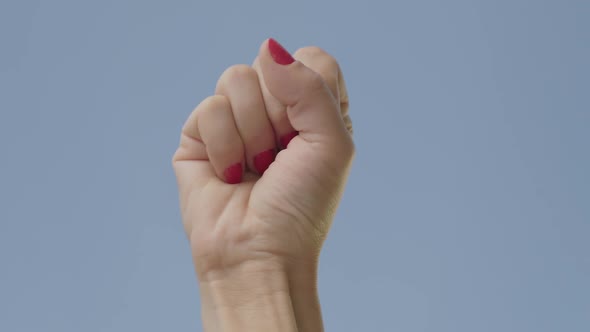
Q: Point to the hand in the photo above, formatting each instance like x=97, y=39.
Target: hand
x=241, y=205
x=282, y=208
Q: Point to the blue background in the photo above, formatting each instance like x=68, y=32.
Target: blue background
x=468, y=207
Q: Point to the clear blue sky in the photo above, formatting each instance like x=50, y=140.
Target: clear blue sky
x=468, y=207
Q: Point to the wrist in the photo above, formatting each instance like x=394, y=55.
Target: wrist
x=303, y=284
x=250, y=297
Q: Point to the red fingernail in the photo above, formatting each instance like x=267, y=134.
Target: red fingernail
x=233, y=174
x=287, y=138
x=279, y=53
x=263, y=160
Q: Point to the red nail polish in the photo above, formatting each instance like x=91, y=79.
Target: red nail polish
x=287, y=138
x=263, y=160
x=279, y=53
x=233, y=174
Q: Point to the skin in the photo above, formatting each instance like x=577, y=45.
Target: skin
x=256, y=244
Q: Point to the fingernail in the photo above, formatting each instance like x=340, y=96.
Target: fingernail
x=263, y=160
x=233, y=174
x=287, y=138
x=279, y=54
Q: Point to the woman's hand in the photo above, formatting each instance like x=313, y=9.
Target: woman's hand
x=246, y=209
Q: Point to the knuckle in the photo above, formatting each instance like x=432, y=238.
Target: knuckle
x=211, y=104
x=312, y=51
x=317, y=54
x=315, y=82
x=236, y=74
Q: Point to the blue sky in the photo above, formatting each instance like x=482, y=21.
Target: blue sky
x=468, y=207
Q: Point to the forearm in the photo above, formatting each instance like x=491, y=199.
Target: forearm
x=305, y=298
x=248, y=298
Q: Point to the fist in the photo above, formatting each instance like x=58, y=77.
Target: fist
x=262, y=164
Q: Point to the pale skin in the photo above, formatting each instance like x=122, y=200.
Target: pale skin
x=256, y=237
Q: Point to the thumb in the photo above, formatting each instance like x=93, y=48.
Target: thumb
x=311, y=107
